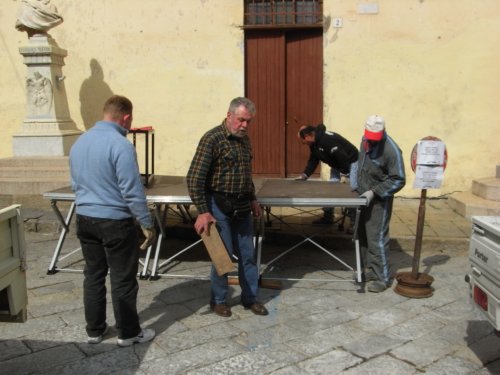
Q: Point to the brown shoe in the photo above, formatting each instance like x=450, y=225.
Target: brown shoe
x=221, y=309
x=257, y=308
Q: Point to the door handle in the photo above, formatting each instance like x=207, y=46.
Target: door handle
x=476, y=271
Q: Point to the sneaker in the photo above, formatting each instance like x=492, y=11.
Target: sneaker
x=98, y=339
x=325, y=220
x=146, y=335
x=376, y=286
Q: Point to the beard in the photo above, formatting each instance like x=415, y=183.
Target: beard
x=239, y=133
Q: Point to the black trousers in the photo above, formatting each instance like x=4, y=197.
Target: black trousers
x=110, y=245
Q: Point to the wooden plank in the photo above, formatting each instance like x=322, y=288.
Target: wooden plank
x=263, y=283
x=217, y=251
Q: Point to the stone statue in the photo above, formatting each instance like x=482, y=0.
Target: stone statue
x=37, y=17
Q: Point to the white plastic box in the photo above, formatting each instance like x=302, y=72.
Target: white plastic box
x=13, y=292
x=484, y=275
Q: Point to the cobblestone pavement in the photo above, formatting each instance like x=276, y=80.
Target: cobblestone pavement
x=315, y=326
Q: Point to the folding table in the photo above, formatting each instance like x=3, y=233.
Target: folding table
x=167, y=191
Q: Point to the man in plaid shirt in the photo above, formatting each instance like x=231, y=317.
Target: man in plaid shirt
x=220, y=185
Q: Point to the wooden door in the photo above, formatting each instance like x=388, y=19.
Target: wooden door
x=265, y=86
x=284, y=77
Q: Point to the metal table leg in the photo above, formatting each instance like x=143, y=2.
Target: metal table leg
x=356, y=245
x=65, y=224
x=158, y=219
x=309, y=238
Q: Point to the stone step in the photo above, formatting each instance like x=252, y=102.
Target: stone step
x=468, y=204
x=35, y=172
x=31, y=185
x=35, y=161
x=487, y=188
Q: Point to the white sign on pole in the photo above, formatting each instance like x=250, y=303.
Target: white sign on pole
x=430, y=152
x=428, y=161
x=428, y=177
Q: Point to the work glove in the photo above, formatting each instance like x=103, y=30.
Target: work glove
x=302, y=177
x=150, y=235
x=344, y=179
x=369, y=194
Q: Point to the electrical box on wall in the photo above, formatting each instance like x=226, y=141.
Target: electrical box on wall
x=368, y=8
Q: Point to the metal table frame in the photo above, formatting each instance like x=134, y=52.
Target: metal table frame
x=61, y=195
x=149, y=157
x=161, y=205
x=160, y=212
x=355, y=203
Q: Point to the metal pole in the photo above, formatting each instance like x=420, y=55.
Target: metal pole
x=418, y=238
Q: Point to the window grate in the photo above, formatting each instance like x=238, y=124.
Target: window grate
x=283, y=12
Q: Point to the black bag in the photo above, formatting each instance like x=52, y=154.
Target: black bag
x=237, y=205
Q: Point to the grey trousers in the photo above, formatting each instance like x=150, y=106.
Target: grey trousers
x=374, y=238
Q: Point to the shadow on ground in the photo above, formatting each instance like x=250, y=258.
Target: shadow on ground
x=73, y=356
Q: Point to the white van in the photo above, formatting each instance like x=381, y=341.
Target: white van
x=484, y=267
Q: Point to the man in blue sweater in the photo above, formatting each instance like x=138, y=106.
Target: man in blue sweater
x=109, y=198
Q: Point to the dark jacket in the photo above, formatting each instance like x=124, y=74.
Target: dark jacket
x=381, y=168
x=332, y=149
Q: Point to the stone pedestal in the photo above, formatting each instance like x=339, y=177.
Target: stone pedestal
x=48, y=128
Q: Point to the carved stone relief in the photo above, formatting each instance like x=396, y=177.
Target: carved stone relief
x=39, y=89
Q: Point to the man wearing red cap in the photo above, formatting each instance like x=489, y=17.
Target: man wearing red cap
x=381, y=174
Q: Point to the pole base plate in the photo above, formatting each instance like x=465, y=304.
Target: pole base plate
x=419, y=287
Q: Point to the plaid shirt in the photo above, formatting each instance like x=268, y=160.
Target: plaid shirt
x=222, y=163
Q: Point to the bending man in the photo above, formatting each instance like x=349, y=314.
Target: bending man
x=336, y=151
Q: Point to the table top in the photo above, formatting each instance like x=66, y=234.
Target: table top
x=270, y=192
x=288, y=192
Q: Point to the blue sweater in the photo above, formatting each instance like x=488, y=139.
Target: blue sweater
x=105, y=176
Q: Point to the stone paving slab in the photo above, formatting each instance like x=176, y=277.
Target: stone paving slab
x=374, y=345
x=382, y=365
x=314, y=327
x=333, y=362
x=451, y=365
x=423, y=351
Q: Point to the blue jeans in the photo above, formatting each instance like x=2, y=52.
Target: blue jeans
x=237, y=235
x=110, y=245
x=353, y=176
